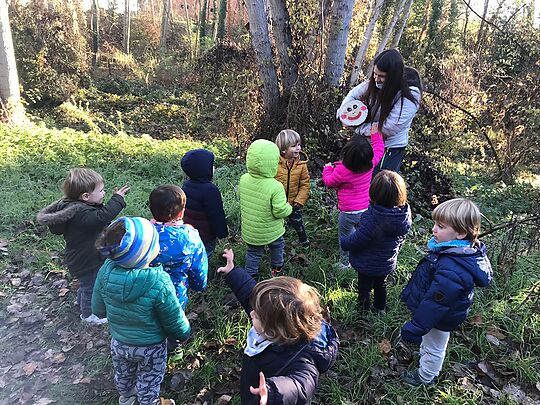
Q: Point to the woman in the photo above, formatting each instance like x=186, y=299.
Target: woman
x=392, y=95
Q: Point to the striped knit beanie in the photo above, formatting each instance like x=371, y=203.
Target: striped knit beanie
x=139, y=245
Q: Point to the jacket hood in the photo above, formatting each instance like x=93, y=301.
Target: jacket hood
x=58, y=213
x=130, y=284
x=262, y=159
x=394, y=221
x=474, y=260
x=324, y=348
x=198, y=164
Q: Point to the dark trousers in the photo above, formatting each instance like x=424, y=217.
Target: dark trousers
x=84, y=293
x=296, y=222
x=391, y=160
x=365, y=285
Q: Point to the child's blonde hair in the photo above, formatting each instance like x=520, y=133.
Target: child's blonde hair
x=286, y=139
x=288, y=309
x=79, y=181
x=461, y=214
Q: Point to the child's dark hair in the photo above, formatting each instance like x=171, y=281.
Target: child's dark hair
x=166, y=202
x=110, y=238
x=388, y=189
x=357, y=154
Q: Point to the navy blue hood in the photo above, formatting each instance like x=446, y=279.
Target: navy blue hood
x=395, y=221
x=474, y=260
x=198, y=164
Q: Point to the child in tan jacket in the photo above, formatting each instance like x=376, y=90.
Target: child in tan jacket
x=293, y=174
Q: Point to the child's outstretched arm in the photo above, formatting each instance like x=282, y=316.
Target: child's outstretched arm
x=240, y=282
x=362, y=236
x=261, y=390
x=103, y=216
x=280, y=207
x=439, y=298
x=297, y=387
x=377, y=144
x=332, y=176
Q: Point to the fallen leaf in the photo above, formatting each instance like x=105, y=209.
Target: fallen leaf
x=385, y=346
x=494, y=331
x=224, y=399
x=231, y=341
x=44, y=401
x=476, y=320
x=493, y=340
x=192, y=316
x=63, y=291
x=29, y=368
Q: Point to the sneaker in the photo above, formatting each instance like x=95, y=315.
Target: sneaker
x=413, y=378
x=94, y=320
x=127, y=400
x=164, y=401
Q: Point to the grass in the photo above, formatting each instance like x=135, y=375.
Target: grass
x=33, y=162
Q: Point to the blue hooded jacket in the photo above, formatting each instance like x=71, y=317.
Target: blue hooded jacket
x=441, y=289
x=375, y=244
x=204, y=206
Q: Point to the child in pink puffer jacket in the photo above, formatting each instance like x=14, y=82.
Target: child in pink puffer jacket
x=351, y=176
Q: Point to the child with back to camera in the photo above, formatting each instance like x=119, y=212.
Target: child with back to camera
x=289, y=344
x=204, y=206
x=375, y=244
x=80, y=217
x=351, y=176
x=140, y=304
x=263, y=206
x=440, y=292
x=182, y=252
x=293, y=174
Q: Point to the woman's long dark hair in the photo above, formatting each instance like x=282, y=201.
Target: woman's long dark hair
x=391, y=63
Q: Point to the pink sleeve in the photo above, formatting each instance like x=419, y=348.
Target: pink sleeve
x=378, y=148
x=331, y=176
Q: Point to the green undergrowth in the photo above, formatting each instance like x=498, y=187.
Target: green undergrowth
x=33, y=162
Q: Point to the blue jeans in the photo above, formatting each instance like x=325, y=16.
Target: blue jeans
x=391, y=160
x=84, y=293
x=254, y=255
x=347, y=224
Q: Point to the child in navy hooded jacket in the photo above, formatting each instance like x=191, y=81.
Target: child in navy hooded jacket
x=204, y=208
x=289, y=344
x=381, y=231
x=441, y=289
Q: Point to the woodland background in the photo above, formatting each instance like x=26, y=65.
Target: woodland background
x=128, y=87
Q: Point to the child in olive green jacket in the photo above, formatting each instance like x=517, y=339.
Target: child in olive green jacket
x=263, y=207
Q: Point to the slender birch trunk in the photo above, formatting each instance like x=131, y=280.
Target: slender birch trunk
x=127, y=23
x=337, y=41
x=94, y=23
x=165, y=22
x=362, y=50
x=402, y=24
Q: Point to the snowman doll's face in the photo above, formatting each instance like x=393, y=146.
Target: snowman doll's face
x=353, y=113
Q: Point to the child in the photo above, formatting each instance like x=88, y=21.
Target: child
x=81, y=217
x=263, y=205
x=204, y=209
x=182, y=252
x=293, y=174
x=441, y=289
x=375, y=244
x=139, y=302
x=289, y=341
x=351, y=177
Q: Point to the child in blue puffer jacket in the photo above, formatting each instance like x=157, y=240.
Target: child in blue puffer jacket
x=381, y=231
x=441, y=289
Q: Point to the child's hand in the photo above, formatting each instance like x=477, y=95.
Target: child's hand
x=374, y=128
x=122, y=191
x=229, y=255
x=330, y=164
x=261, y=391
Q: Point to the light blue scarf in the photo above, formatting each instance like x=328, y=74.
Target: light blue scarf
x=433, y=246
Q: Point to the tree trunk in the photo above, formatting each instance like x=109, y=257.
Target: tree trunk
x=466, y=23
x=222, y=19
x=402, y=24
x=362, y=50
x=482, y=25
x=188, y=25
x=165, y=21
x=281, y=30
x=260, y=39
x=425, y=22
x=10, y=97
x=202, y=26
x=388, y=32
x=127, y=23
x=94, y=22
x=340, y=21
